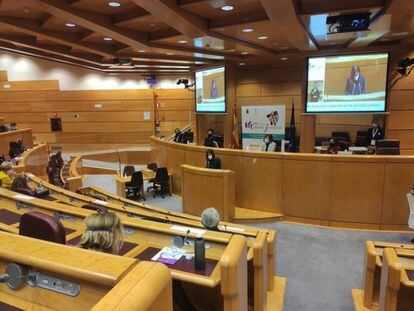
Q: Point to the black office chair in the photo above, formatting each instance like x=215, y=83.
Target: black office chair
x=128, y=170
x=361, y=139
x=135, y=186
x=340, y=136
x=152, y=166
x=161, y=182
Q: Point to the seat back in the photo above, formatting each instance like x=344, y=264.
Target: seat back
x=161, y=175
x=152, y=166
x=340, y=136
x=41, y=226
x=361, y=140
x=137, y=179
x=320, y=139
x=129, y=170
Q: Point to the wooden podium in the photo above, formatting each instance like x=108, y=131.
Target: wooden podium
x=203, y=187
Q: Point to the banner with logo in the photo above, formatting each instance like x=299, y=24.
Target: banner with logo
x=258, y=121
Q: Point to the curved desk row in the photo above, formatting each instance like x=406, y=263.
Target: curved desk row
x=34, y=161
x=81, y=280
x=354, y=191
x=6, y=137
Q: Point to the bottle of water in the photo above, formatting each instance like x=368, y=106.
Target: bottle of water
x=200, y=253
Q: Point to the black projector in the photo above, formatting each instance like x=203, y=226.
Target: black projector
x=348, y=23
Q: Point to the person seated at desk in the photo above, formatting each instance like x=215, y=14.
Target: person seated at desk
x=268, y=144
x=20, y=185
x=210, y=219
x=212, y=161
x=104, y=233
x=374, y=133
x=59, y=159
x=13, y=127
x=333, y=147
x=209, y=140
x=178, y=137
x=6, y=174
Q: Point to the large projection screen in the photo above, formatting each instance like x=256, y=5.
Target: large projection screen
x=210, y=85
x=347, y=83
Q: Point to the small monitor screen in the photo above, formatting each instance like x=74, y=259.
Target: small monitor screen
x=347, y=83
x=210, y=85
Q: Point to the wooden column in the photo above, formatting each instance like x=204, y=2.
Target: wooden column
x=307, y=133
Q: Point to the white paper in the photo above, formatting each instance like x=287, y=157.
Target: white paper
x=22, y=196
x=147, y=115
x=100, y=202
x=232, y=228
x=410, y=198
x=185, y=229
x=372, y=142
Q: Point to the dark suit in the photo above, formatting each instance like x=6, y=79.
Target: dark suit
x=215, y=163
x=355, y=87
x=178, y=138
x=378, y=135
x=210, y=142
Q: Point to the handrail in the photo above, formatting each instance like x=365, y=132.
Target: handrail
x=183, y=130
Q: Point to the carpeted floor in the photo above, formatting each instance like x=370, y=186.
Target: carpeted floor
x=321, y=265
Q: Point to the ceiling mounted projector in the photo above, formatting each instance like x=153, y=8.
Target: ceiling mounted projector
x=348, y=23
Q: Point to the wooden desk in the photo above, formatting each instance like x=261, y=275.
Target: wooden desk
x=312, y=188
x=7, y=137
x=34, y=161
x=101, y=277
x=203, y=188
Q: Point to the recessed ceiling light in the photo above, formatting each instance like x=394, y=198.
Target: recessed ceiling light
x=263, y=38
x=227, y=8
x=114, y=4
x=247, y=30
x=284, y=48
x=242, y=64
x=244, y=53
x=70, y=25
x=26, y=10
x=141, y=51
x=283, y=58
x=182, y=41
x=107, y=39
x=170, y=53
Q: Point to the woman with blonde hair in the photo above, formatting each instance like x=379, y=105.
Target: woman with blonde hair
x=104, y=233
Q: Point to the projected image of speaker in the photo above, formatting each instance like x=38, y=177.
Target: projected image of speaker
x=347, y=83
x=210, y=85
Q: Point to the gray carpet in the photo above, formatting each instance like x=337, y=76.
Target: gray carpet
x=321, y=265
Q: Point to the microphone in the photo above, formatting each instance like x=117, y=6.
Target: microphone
x=119, y=161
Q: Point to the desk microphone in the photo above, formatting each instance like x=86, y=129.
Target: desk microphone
x=119, y=161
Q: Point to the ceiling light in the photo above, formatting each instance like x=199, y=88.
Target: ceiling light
x=263, y=38
x=141, y=51
x=244, y=53
x=26, y=10
x=170, y=53
x=242, y=64
x=107, y=39
x=182, y=41
x=284, y=48
x=402, y=33
x=283, y=58
x=247, y=30
x=70, y=25
x=114, y=4
x=227, y=8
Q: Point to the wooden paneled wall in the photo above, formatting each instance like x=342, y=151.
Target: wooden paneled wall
x=175, y=108
x=400, y=121
x=273, y=86
x=95, y=119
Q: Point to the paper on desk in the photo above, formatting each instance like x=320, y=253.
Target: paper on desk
x=232, y=228
x=410, y=198
x=167, y=255
x=186, y=229
x=100, y=202
x=22, y=196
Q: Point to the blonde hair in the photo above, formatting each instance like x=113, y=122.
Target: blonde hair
x=104, y=232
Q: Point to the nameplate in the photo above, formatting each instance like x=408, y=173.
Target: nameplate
x=100, y=202
x=22, y=197
x=188, y=229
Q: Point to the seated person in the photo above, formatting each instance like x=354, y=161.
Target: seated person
x=6, y=174
x=20, y=185
x=59, y=159
x=211, y=160
x=3, y=128
x=374, y=133
x=104, y=233
x=210, y=219
x=268, y=144
x=13, y=126
x=333, y=147
x=209, y=140
x=178, y=137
